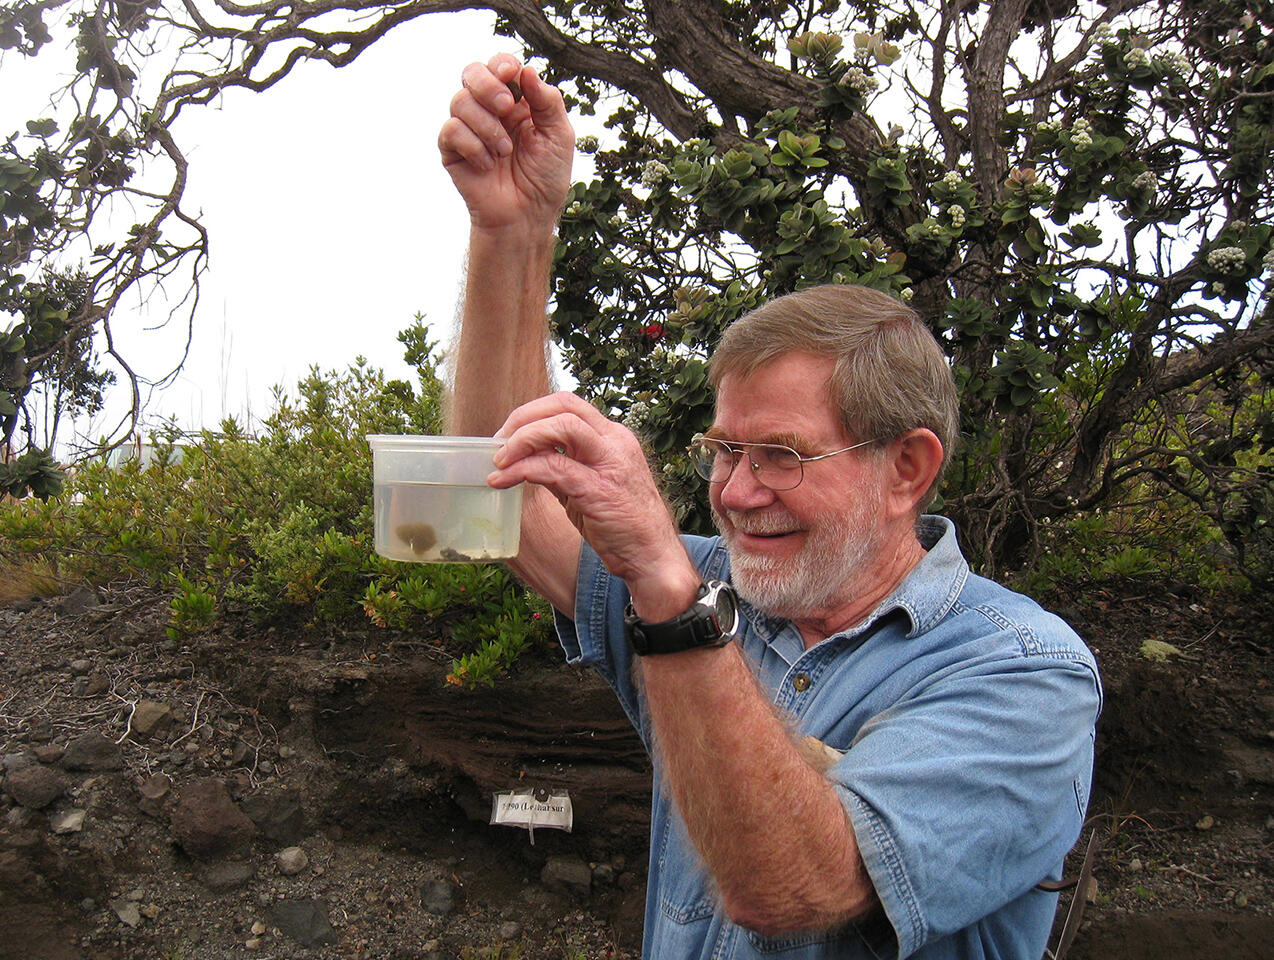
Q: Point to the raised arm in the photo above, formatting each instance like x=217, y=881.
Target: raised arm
x=510, y=159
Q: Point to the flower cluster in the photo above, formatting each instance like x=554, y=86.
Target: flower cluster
x=1082, y=134
x=1226, y=259
x=956, y=213
x=637, y=415
x=586, y=144
x=1048, y=126
x=1268, y=261
x=858, y=80
x=1136, y=57
x=905, y=294
x=1104, y=33
x=653, y=172
x=1177, y=62
x=1146, y=181
x=952, y=179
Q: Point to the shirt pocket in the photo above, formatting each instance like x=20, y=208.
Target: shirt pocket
x=871, y=937
x=685, y=891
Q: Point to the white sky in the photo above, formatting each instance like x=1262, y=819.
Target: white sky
x=331, y=219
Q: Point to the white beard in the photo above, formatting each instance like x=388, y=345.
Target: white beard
x=820, y=577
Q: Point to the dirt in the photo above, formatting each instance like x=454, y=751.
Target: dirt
x=348, y=744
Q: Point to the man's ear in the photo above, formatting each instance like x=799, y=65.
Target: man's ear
x=914, y=460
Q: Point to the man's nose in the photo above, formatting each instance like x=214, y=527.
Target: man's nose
x=742, y=490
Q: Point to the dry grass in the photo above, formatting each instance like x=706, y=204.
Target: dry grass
x=20, y=581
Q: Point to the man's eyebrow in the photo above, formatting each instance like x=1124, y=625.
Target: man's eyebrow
x=781, y=439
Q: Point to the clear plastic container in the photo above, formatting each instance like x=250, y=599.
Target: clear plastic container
x=433, y=504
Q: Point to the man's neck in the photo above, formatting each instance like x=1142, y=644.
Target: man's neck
x=882, y=580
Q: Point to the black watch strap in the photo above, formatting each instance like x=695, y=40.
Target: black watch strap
x=709, y=624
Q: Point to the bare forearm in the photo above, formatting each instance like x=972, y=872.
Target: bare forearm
x=500, y=358
x=770, y=828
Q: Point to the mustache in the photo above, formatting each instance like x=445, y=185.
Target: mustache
x=756, y=524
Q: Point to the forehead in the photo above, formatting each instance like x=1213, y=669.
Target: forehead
x=785, y=401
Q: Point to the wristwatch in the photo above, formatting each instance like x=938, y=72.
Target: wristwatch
x=711, y=621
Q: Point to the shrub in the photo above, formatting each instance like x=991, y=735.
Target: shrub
x=279, y=523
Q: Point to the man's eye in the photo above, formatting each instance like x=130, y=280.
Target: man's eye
x=782, y=458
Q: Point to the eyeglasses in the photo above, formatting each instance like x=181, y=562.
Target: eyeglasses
x=774, y=465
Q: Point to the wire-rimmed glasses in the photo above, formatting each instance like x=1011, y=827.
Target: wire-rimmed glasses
x=774, y=465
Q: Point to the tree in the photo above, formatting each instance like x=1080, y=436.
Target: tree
x=1078, y=197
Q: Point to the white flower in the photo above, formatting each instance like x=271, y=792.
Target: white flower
x=1048, y=126
x=574, y=208
x=1146, y=181
x=653, y=172
x=616, y=221
x=1103, y=32
x=586, y=144
x=1136, y=57
x=857, y=79
x=952, y=179
x=1226, y=259
x=957, y=215
x=1177, y=62
x=905, y=294
x=637, y=414
x=1081, y=134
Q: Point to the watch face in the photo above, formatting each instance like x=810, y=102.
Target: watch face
x=726, y=606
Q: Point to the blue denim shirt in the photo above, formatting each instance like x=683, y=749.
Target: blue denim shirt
x=966, y=716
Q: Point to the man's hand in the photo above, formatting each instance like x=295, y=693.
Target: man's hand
x=510, y=159
x=597, y=470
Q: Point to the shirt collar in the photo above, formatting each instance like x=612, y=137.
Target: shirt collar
x=927, y=593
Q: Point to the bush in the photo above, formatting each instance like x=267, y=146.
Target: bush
x=279, y=524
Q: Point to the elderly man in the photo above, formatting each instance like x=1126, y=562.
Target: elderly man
x=861, y=749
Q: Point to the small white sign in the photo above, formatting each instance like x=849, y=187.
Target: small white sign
x=532, y=808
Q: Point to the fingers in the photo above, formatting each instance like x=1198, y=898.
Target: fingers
x=552, y=405
x=476, y=133
x=487, y=118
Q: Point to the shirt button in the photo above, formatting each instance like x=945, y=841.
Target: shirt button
x=801, y=682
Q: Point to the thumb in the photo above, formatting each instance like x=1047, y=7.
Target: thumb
x=548, y=111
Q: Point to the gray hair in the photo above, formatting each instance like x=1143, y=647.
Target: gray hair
x=890, y=376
